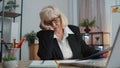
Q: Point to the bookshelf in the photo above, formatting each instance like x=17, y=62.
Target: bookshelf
x=103, y=41
x=12, y=15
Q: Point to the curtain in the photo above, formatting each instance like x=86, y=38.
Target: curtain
x=93, y=9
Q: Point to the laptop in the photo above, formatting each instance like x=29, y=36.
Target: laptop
x=113, y=61
x=114, y=58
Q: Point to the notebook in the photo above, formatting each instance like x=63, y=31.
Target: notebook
x=43, y=64
x=113, y=61
x=97, y=54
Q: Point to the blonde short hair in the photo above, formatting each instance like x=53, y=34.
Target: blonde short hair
x=49, y=12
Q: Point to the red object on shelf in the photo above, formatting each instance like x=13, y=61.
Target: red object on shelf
x=87, y=30
x=3, y=41
x=114, y=10
x=20, y=43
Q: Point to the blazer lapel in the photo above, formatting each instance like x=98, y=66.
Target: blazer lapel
x=58, y=53
x=75, y=46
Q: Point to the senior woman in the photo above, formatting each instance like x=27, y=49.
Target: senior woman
x=58, y=40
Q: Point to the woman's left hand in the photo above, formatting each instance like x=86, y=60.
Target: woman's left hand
x=105, y=55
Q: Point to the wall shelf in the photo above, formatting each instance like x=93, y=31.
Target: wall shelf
x=10, y=14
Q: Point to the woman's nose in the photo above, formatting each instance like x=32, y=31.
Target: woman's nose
x=53, y=24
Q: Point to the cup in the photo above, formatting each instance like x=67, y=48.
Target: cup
x=10, y=64
x=14, y=52
x=11, y=58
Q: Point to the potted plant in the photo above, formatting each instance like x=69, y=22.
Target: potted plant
x=9, y=62
x=87, y=23
x=31, y=37
x=10, y=58
x=11, y=6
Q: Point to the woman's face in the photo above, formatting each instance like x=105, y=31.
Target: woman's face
x=55, y=23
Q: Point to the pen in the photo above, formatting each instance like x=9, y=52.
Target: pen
x=42, y=61
x=20, y=43
x=3, y=41
x=13, y=43
x=57, y=63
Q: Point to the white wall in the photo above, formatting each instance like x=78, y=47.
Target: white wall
x=31, y=9
x=108, y=16
x=112, y=18
x=115, y=19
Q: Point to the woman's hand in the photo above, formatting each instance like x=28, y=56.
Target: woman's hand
x=105, y=55
x=45, y=27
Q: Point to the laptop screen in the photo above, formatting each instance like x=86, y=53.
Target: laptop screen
x=114, y=58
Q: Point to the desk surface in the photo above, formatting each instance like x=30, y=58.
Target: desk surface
x=24, y=64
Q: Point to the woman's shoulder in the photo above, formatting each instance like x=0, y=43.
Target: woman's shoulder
x=44, y=33
x=74, y=28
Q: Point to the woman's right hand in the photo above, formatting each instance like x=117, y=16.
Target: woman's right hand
x=45, y=27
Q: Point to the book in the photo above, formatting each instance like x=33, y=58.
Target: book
x=43, y=64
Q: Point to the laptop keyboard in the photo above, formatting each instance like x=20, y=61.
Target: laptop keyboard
x=98, y=63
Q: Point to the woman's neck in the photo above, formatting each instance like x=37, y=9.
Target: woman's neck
x=60, y=34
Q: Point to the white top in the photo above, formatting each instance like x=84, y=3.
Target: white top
x=64, y=45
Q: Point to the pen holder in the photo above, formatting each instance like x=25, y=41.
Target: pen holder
x=11, y=58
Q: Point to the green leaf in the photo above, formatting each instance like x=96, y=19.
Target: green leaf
x=11, y=4
x=31, y=35
x=9, y=58
x=88, y=23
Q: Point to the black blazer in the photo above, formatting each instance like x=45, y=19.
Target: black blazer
x=49, y=48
